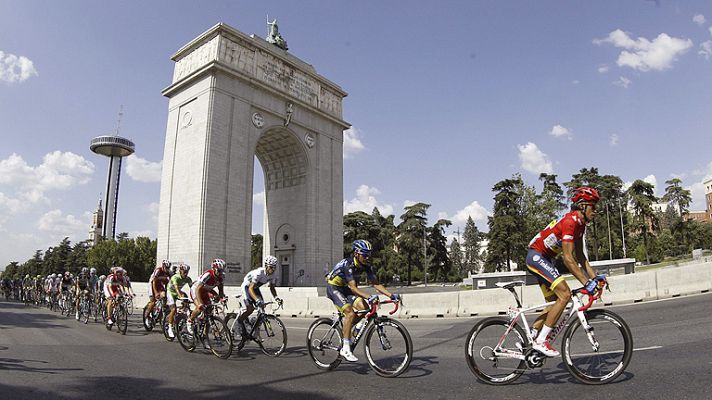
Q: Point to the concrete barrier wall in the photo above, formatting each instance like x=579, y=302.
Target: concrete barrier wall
x=643, y=286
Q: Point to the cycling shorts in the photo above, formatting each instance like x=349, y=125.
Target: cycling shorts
x=248, y=299
x=545, y=271
x=204, y=294
x=342, y=296
x=161, y=288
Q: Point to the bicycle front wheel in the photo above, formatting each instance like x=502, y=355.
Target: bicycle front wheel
x=324, y=343
x=601, y=355
x=271, y=335
x=130, y=306
x=494, y=351
x=147, y=319
x=219, y=338
x=388, y=347
x=122, y=320
x=185, y=338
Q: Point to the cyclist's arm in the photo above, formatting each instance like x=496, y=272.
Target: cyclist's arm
x=381, y=289
x=581, y=256
x=358, y=292
x=569, y=250
x=272, y=289
x=251, y=290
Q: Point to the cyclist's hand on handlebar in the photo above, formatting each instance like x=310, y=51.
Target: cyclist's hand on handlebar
x=278, y=301
x=591, y=285
x=395, y=297
x=373, y=299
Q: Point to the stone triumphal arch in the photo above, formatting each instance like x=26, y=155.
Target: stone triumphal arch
x=233, y=98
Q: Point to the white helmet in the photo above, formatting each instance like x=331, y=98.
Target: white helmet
x=271, y=261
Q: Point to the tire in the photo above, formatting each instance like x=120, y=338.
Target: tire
x=324, y=343
x=219, y=338
x=237, y=339
x=609, y=360
x=388, y=347
x=271, y=336
x=86, y=311
x=479, y=351
x=122, y=320
x=130, y=306
x=185, y=338
x=148, y=326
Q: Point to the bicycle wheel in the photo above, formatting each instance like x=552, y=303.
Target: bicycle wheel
x=388, y=347
x=130, y=306
x=122, y=319
x=602, y=356
x=271, y=335
x=219, y=338
x=238, y=339
x=86, y=310
x=498, y=367
x=324, y=343
x=185, y=338
x=148, y=321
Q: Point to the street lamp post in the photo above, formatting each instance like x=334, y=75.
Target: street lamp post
x=610, y=243
x=425, y=257
x=620, y=211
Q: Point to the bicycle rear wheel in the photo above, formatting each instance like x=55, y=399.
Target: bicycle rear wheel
x=388, y=347
x=130, y=306
x=488, y=365
x=271, y=335
x=324, y=343
x=219, y=338
x=238, y=339
x=86, y=310
x=604, y=355
x=147, y=319
x=185, y=338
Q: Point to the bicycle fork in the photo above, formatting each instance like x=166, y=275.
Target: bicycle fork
x=595, y=346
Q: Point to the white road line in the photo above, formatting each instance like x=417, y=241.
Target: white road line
x=616, y=352
x=648, y=348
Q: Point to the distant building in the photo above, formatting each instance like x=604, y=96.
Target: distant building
x=706, y=214
x=96, y=225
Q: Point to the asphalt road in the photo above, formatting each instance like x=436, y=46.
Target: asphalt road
x=45, y=355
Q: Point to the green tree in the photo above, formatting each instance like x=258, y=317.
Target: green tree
x=456, y=259
x=411, y=233
x=676, y=196
x=437, y=250
x=472, y=241
x=642, y=197
x=256, y=244
x=505, y=233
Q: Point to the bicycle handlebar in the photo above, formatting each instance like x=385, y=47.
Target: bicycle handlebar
x=591, y=296
x=374, y=307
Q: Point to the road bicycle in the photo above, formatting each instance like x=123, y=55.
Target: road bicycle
x=182, y=308
x=156, y=316
x=209, y=329
x=265, y=329
x=388, y=346
x=596, y=348
x=86, y=305
x=120, y=314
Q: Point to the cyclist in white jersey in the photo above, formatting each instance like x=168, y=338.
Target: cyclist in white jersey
x=251, y=288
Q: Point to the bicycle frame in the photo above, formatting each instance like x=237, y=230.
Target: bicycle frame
x=368, y=314
x=575, y=306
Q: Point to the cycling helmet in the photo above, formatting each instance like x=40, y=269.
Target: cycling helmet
x=218, y=264
x=53, y=276
x=362, y=247
x=184, y=268
x=85, y=270
x=174, y=269
x=92, y=271
x=585, y=194
x=27, y=276
x=102, y=277
x=67, y=273
x=271, y=261
x=165, y=264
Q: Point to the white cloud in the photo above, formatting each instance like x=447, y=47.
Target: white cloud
x=613, y=140
x=603, y=69
x=699, y=19
x=142, y=170
x=622, y=82
x=560, y=131
x=352, y=142
x=15, y=69
x=67, y=225
x=152, y=209
x=645, y=55
x=474, y=210
x=705, y=49
x=58, y=171
x=145, y=233
x=365, y=201
x=534, y=160
x=651, y=179
x=258, y=198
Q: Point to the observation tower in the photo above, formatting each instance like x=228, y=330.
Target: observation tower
x=116, y=148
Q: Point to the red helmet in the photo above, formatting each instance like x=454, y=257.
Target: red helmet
x=218, y=264
x=585, y=194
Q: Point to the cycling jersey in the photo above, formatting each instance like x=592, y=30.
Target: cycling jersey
x=211, y=279
x=569, y=228
x=176, y=280
x=343, y=272
x=112, y=285
x=161, y=276
x=83, y=281
x=259, y=277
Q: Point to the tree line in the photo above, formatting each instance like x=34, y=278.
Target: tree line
x=626, y=225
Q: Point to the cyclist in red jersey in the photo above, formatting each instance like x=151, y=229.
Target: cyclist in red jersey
x=562, y=236
x=203, y=288
x=113, y=286
x=157, y=284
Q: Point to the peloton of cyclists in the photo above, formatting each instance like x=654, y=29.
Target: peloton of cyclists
x=342, y=289
x=564, y=236
x=202, y=290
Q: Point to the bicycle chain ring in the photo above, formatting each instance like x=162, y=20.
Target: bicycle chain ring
x=534, y=358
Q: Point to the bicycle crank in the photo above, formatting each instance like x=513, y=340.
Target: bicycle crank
x=534, y=359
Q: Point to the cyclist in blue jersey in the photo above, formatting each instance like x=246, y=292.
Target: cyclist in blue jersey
x=342, y=289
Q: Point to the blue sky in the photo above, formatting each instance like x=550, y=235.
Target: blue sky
x=445, y=97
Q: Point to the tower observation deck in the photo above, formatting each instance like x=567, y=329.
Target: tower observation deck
x=116, y=148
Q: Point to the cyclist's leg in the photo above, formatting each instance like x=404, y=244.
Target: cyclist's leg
x=554, y=288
